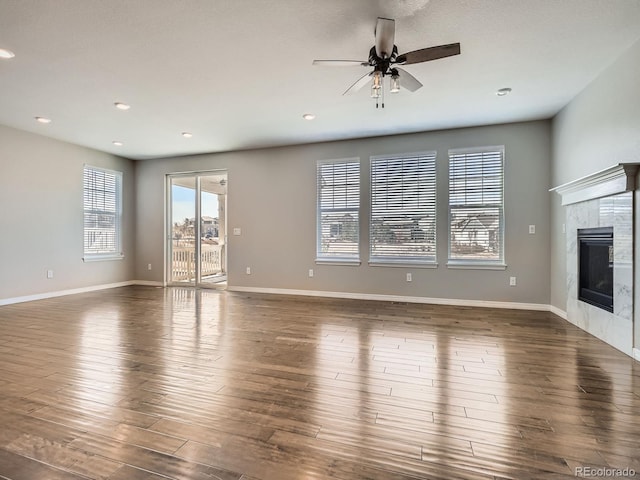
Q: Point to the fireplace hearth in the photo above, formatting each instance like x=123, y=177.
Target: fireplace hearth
x=595, y=267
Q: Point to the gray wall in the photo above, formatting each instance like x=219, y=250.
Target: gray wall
x=272, y=197
x=41, y=216
x=598, y=129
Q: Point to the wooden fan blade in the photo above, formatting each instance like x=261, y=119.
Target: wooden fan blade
x=385, y=36
x=428, y=54
x=361, y=82
x=408, y=81
x=341, y=63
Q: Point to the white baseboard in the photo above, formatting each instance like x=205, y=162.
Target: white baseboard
x=555, y=310
x=61, y=293
x=395, y=298
x=636, y=354
x=147, y=283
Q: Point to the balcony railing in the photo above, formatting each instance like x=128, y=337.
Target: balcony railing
x=183, y=262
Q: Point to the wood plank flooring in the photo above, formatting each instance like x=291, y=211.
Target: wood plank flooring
x=150, y=383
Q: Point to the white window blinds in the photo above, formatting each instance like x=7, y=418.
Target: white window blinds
x=338, y=210
x=476, y=205
x=102, y=213
x=403, y=208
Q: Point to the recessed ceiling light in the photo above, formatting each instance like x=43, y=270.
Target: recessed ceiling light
x=43, y=120
x=6, y=54
x=187, y=134
x=503, y=91
x=308, y=116
x=122, y=106
x=117, y=143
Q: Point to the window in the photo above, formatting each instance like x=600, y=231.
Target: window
x=476, y=207
x=403, y=209
x=338, y=211
x=102, y=214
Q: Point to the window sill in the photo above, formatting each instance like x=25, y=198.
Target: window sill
x=402, y=264
x=102, y=258
x=477, y=266
x=350, y=262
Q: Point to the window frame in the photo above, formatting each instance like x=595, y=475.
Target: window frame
x=117, y=252
x=427, y=261
x=321, y=257
x=478, y=263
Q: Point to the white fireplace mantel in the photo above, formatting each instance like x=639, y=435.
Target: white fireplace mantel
x=610, y=181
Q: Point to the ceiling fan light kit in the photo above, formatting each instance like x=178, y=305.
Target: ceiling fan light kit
x=383, y=57
x=395, y=82
x=376, y=85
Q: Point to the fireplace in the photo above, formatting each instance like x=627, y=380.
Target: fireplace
x=595, y=267
x=603, y=199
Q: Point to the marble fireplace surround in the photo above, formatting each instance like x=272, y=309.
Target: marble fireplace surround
x=603, y=199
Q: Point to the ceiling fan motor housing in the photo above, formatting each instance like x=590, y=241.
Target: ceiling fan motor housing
x=382, y=64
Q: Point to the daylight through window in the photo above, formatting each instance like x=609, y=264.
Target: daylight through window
x=102, y=213
x=403, y=209
x=338, y=210
x=476, y=205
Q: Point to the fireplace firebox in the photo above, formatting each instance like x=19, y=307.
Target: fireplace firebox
x=595, y=267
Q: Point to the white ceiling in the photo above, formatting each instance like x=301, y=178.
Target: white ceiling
x=238, y=73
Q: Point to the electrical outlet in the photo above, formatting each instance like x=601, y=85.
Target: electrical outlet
x=49, y=273
x=237, y=231
x=311, y=272
x=512, y=281
x=248, y=270
x=409, y=277
x=149, y=267
x=532, y=229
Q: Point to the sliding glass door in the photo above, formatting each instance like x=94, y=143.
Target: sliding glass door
x=197, y=229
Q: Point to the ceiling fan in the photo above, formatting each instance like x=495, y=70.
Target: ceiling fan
x=384, y=58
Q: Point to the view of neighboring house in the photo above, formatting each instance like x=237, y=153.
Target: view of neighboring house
x=184, y=232
x=475, y=233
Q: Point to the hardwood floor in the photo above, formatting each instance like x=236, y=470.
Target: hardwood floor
x=151, y=383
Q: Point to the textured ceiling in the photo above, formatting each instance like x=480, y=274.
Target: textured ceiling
x=238, y=74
